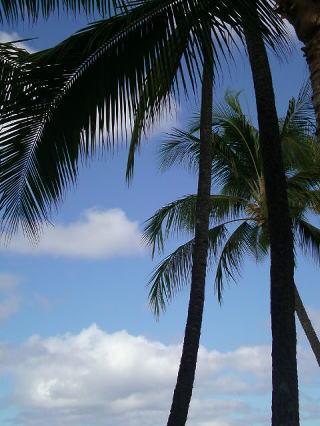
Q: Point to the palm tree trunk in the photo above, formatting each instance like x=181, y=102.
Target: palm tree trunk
x=184, y=386
x=307, y=326
x=304, y=15
x=285, y=396
x=312, y=52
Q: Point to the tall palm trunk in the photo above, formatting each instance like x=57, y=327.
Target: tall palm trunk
x=304, y=15
x=184, y=386
x=307, y=326
x=285, y=398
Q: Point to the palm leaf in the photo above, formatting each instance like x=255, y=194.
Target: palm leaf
x=245, y=239
x=171, y=275
x=308, y=237
x=12, y=10
x=300, y=114
x=181, y=147
x=179, y=216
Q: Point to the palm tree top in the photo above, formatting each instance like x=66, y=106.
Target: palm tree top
x=238, y=215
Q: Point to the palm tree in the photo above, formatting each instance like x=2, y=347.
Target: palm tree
x=285, y=390
x=304, y=15
x=238, y=214
x=98, y=79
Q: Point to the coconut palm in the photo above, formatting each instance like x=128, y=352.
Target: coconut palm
x=84, y=89
x=304, y=15
x=238, y=213
x=285, y=390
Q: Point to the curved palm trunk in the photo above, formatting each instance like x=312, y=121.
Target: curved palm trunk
x=307, y=326
x=285, y=398
x=312, y=52
x=184, y=386
x=304, y=15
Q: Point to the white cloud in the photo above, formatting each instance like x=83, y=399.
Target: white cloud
x=95, y=378
x=98, y=234
x=9, y=295
x=5, y=37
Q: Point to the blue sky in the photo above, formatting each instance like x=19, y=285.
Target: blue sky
x=83, y=293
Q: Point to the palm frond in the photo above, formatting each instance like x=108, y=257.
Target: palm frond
x=170, y=277
x=303, y=199
x=179, y=216
x=180, y=148
x=153, y=104
x=174, y=217
x=300, y=114
x=308, y=237
x=245, y=239
x=13, y=10
x=12, y=65
x=41, y=131
x=172, y=274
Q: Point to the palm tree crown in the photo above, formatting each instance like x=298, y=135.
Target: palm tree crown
x=238, y=212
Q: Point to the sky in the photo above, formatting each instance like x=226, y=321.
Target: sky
x=79, y=345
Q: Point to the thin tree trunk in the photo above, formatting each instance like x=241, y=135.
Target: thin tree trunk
x=185, y=380
x=312, y=52
x=285, y=398
x=307, y=326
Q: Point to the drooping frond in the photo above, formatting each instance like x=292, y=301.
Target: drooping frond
x=246, y=239
x=60, y=123
x=153, y=104
x=172, y=274
x=308, y=238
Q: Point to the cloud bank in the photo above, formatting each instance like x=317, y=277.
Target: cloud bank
x=96, y=378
